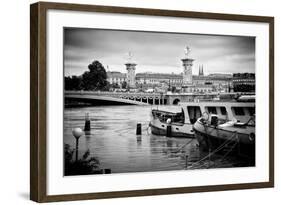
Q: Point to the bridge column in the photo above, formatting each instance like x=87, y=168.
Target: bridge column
x=153, y=100
x=169, y=100
x=148, y=99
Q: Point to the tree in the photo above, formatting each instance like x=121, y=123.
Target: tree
x=85, y=165
x=72, y=83
x=244, y=88
x=115, y=85
x=67, y=83
x=95, y=78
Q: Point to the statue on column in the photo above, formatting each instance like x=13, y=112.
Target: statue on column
x=187, y=50
x=130, y=56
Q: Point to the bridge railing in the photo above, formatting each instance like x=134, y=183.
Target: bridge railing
x=139, y=96
x=115, y=94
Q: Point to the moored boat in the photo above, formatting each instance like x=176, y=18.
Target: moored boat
x=180, y=123
x=217, y=134
x=162, y=121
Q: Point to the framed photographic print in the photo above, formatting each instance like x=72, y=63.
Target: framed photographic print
x=135, y=102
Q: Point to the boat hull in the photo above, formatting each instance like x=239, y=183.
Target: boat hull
x=159, y=128
x=211, y=138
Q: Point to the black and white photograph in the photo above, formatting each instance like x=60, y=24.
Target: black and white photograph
x=142, y=101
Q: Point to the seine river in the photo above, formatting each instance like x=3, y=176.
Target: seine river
x=114, y=142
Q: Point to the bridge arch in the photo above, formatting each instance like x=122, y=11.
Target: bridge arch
x=157, y=101
x=150, y=100
x=176, y=101
x=145, y=100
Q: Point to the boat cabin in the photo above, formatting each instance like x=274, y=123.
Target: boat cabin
x=238, y=111
x=169, y=117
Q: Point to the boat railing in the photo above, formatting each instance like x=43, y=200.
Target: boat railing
x=164, y=116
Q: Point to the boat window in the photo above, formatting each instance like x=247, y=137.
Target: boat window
x=223, y=111
x=194, y=112
x=239, y=111
x=212, y=110
x=251, y=110
x=178, y=117
x=163, y=116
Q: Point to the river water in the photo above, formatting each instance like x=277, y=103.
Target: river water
x=114, y=142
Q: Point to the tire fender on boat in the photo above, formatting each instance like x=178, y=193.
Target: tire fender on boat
x=252, y=137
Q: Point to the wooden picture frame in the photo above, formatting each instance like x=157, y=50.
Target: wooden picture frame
x=38, y=100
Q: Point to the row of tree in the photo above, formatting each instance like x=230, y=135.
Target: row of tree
x=93, y=79
x=244, y=88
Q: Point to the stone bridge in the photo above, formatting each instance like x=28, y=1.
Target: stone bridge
x=115, y=98
x=140, y=98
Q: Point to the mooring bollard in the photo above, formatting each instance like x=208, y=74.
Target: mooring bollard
x=138, y=138
x=169, y=131
x=87, y=127
x=186, y=161
x=138, y=131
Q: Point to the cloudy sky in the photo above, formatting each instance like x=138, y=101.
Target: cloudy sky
x=156, y=52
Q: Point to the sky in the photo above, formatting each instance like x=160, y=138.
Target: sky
x=156, y=52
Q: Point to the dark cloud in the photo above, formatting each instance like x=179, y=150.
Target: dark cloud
x=156, y=52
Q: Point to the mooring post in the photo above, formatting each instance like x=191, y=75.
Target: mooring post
x=139, y=138
x=169, y=131
x=186, y=161
x=87, y=127
x=138, y=131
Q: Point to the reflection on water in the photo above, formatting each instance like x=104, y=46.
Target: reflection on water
x=114, y=142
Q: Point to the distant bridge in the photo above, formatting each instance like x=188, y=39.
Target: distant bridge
x=139, y=98
x=101, y=98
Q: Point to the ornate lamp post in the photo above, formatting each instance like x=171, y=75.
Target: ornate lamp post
x=77, y=133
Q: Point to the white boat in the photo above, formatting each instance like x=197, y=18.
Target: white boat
x=217, y=134
x=181, y=122
x=161, y=120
